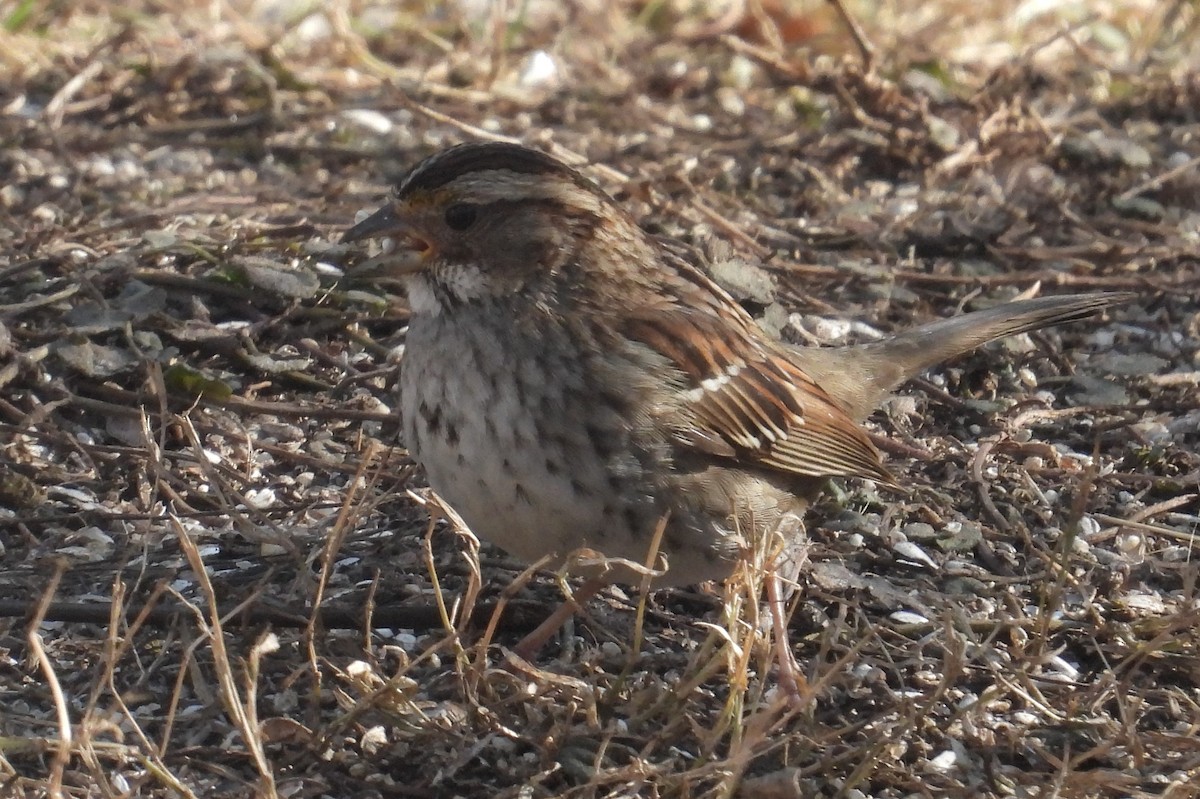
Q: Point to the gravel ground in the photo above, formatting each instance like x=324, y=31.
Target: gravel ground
x=218, y=573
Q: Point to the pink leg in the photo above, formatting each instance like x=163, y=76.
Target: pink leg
x=529, y=646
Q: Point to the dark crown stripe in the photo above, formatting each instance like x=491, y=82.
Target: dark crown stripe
x=442, y=168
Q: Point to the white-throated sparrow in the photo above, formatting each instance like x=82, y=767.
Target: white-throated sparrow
x=569, y=383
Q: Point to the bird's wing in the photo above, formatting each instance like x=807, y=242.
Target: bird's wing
x=743, y=398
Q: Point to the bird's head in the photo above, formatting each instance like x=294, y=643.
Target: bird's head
x=488, y=219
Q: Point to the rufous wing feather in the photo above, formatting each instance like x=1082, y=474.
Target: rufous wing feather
x=745, y=399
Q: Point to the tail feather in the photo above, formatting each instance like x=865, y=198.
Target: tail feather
x=884, y=365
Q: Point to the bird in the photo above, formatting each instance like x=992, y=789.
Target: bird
x=573, y=384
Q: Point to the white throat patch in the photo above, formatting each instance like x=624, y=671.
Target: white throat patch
x=465, y=282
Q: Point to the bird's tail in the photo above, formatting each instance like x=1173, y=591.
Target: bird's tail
x=884, y=365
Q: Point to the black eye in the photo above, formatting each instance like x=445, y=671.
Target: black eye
x=460, y=216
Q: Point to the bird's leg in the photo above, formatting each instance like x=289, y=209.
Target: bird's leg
x=790, y=678
x=529, y=646
x=791, y=554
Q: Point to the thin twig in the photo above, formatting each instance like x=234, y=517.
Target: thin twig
x=63, y=745
x=865, y=50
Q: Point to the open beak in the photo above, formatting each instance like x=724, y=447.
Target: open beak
x=404, y=252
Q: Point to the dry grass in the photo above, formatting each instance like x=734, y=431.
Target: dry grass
x=219, y=575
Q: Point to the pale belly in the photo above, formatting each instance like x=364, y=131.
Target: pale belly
x=541, y=472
